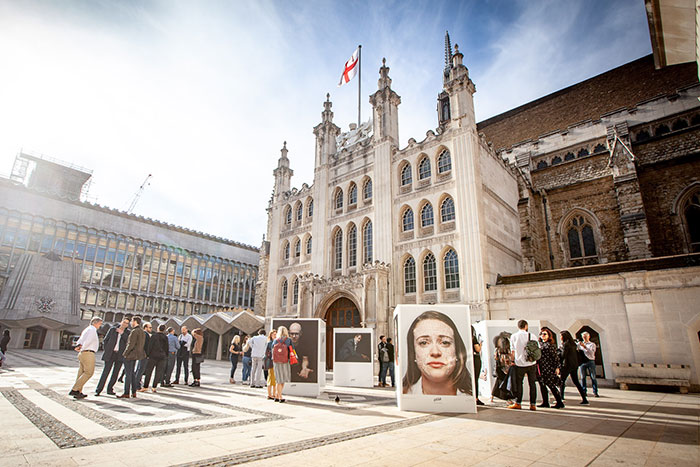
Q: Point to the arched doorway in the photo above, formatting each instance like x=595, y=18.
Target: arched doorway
x=341, y=314
x=595, y=338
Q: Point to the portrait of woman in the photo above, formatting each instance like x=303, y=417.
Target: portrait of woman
x=437, y=358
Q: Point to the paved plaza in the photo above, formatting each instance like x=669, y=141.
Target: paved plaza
x=224, y=424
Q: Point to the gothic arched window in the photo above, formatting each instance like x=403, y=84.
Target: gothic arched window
x=286, y=250
x=308, y=246
x=300, y=212
x=451, y=270
x=352, y=195
x=352, y=246
x=426, y=215
x=447, y=210
x=338, y=250
x=367, y=243
x=407, y=220
x=444, y=162
x=367, y=190
x=429, y=273
x=691, y=218
x=409, y=275
x=339, y=199
x=295, y=292
x=284, y=293
x=288, y=215
x=297, y=248
x=424, y=169
x=310, y=208
x=581, y=239
x=406, y=177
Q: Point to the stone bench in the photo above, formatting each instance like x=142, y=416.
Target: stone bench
x=652, y=374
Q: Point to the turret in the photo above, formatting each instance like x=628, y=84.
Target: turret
x=326, y=133
x=283, y=174
x=456, y=101
x=385, y=103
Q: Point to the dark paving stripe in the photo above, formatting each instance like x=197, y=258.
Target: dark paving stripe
x=298, y=446
x=65, y=437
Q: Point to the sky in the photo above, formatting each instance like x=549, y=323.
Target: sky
x=202, y=94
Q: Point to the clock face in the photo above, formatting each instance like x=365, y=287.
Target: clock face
x=44, y=304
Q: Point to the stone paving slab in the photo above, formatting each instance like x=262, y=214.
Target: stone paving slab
x=224, y=424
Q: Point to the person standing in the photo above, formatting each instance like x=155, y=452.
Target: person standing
x=476, y=345
x=133, y=353
x=4, y=341
x=157, y=355
x=183, y=355
x=503, y=362
x=384, y=360
x=281, y=349
x=569, y=365
x=141, y=367
x=549, y=369
x=258, y=344
x=269, y=365
x=197, y=356
x=88, y=344
x=588, y=349
x=173, y=348
x=524, y=365
x=247, y=361
x=114, y=344
x=235, y=351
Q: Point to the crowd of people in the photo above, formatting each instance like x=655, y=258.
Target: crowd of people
x=539, y=359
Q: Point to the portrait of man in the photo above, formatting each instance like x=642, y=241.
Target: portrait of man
x=304, y=336
x=353, y=347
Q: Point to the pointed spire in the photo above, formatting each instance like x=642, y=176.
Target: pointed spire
x=448, y=53
x=327, y=114
x=457, y=57
x=283, y=160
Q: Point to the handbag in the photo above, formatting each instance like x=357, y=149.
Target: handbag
x=293, y=360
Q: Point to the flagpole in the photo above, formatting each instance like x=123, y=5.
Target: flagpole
x=359, y=86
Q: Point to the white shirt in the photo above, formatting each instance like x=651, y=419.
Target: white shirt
x=258, y=344
x=588, y=349
x=186, y=339
x=119, y=337
x=518, y=341
x=88, y=339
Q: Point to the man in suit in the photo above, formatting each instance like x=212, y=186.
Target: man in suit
x=133, y=352
x=113, y=355
x=350, y=351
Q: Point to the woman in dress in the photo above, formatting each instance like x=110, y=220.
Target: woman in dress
x=280, y=362
x=549, y=369
x=504, y=361
x=235, y=351
x=569, y=365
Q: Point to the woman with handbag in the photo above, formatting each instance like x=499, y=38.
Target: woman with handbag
x=197, y=355
x=268, y=366
x=282, y=356
x=235, y=350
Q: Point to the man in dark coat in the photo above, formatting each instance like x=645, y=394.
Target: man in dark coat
x=350, y=351
x=133, y=352
x=157, y=352
x=114, y=344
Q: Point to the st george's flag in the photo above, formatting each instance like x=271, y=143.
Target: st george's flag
x=351, y=67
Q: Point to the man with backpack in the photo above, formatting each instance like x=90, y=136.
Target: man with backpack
x=386, y=360
x=526, y=351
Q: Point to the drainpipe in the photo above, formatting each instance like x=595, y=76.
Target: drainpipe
x=543, y=193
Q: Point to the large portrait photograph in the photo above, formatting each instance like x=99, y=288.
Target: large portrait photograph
x=436, y=364
x=353, y=346
x=304, y=336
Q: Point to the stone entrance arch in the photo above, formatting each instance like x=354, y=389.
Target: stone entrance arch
x=340, y=312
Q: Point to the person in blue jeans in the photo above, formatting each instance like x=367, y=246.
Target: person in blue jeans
x=588, y=366
x=247, y=359
x=386, y=360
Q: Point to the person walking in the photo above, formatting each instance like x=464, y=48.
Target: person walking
x=114, y=344
x=141, y=367
x=88, y=344
x=281, y=349
x=133, y=353
x=525, y=364
x=588, y=350
x=247, y=361
x=197, y=356
x=503, y=387
x=4, y=341
x=258, y=344
x=269, y=365
x=173, y=348
x=476, y=344
x=183, y=355
x=549, y=369
x=235, y=352
x=569, y=365
x=157, y=355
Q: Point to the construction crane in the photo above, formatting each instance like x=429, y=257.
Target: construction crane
x=138, y=194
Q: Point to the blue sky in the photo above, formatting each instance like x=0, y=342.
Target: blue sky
x=201, y=94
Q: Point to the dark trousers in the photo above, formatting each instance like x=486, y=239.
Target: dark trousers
x=169, y=366
x=384, y=368
x=477, y=373
x=130, y=377
x=531, y=372
x=574, y=377
x=183, y=359
x=545, y=393
x=159, y=365
x=140, y=370
x=234, y=363
x=112, y=365
x=195, y=366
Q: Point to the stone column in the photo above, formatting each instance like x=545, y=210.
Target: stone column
x=219, y=346
x=52, y=340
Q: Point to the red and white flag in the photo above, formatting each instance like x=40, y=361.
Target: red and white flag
x=351, y=67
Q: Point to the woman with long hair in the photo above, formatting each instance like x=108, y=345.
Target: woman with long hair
x=549, y=368
x=281, y=349
x=247, y=359
x=437, y=357
x=503, y=361
x=569, y=365
x=235, y=351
